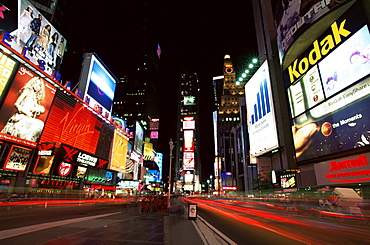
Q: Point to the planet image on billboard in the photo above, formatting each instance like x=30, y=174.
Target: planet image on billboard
x=326, y=128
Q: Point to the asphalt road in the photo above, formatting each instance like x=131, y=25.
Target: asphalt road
x=251, y=223
x=20, y=216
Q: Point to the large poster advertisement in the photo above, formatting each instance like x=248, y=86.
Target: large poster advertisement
x=261, y=115
x=119, y=152
x=33, y=37
x=348, y=170
x=293, y=17
x=139, y=137
x=26, y=106
x=18, y=158
x=329, y=103
x=72, y=123
x=97, y=85
x=188, y=161
x=7, y=68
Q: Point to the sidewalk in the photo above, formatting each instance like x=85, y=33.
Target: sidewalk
x=128, y=226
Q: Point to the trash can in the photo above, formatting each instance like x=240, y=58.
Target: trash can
x=192, y=211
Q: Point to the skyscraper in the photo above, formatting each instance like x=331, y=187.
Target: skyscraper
x=227, y=97
x=188, y=165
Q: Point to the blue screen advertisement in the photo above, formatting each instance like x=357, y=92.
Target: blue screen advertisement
x=101, y=86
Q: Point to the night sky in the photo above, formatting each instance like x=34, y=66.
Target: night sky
x=194, y=36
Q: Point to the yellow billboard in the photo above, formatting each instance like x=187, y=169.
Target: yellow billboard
x=119, y=152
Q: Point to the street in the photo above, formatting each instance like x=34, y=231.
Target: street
x=253, y=222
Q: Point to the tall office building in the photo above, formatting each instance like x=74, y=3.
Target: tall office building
x=227, y=97
x=188, y=165
x=137, y=94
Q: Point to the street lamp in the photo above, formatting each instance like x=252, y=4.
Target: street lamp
x=169, y=178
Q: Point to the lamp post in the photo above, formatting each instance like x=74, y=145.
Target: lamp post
x=169, y=177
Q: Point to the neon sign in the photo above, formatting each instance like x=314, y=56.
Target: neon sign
x=344, y=170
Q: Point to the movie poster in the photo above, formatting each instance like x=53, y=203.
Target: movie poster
x=18, y=158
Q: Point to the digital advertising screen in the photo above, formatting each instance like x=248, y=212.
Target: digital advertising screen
x=261, y=114
x=26, y=106
x=43, y=164
x=153, y=176
x=159, y=161
x=18, y=158
x=148, y=153
x=188, y=123
x=329, y=103
x=189, y=100
x=293, y=18
x=119, y=152
x=188, y=161
x=288, y=180
x=154, y=135
x=215, y=129
x=189, y=140
x=97, y=84
x=81, y=172
x=72, y=123
x=139, y=137
x=119, y=122
x=7, y=69
x=33, y=37
x=188, y=176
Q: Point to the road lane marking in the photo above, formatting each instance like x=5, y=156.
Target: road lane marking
x=32, y=228
x=205, y=228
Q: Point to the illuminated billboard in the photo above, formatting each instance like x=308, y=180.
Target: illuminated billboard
x=293, y=18
x=261, y=114
x=139, y=137
x=353, y=169
x=64, y=124
x=97, y=85
x=215, y=129
x=329, y=102
x=119, y=152
x=7, y=68
x=45, y=158
x=188, y=123
x=18, y=158
x=26, y=106
x=188, y=161
x=153, y=176
x=189, y=100
x=77, y=156
x=149, y=152
x=188, y=176
x=43, y=164
x=119, y=122
x=32, y=36
x=188, y=140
